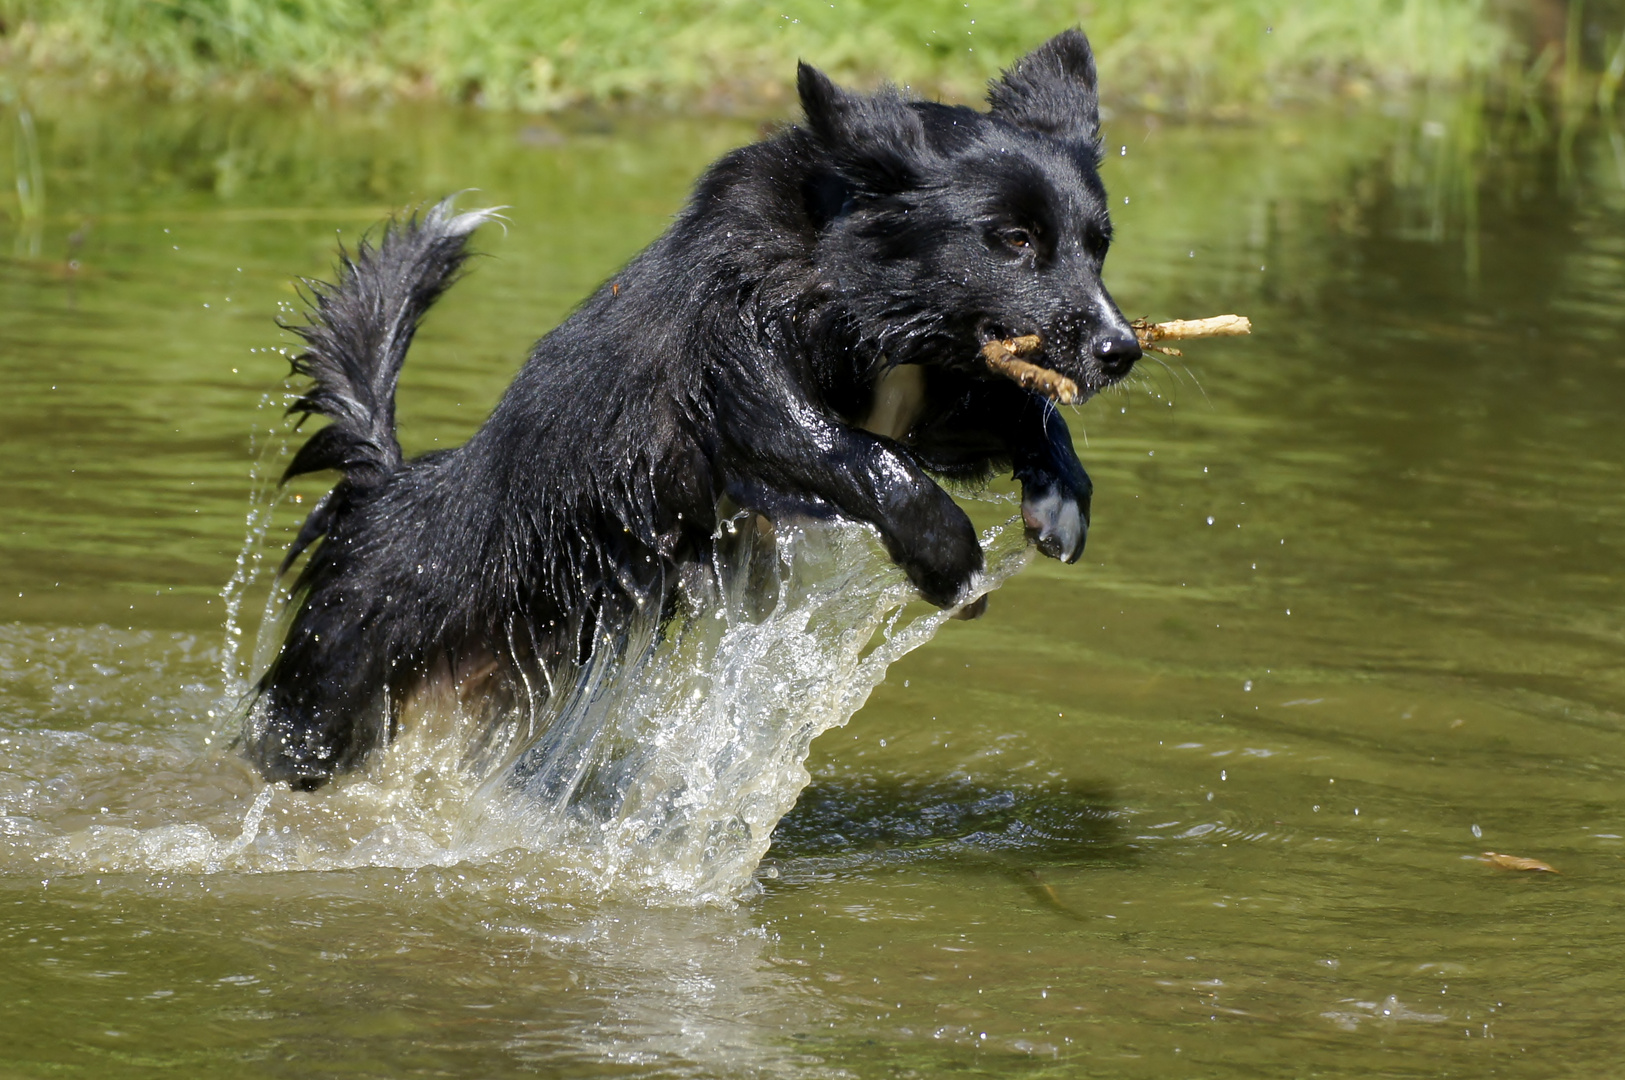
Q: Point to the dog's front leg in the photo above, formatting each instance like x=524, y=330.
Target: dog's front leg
x=811, y=458
x=1055, y=489
x=984, y=422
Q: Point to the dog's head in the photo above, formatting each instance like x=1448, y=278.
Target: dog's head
x=944, y=228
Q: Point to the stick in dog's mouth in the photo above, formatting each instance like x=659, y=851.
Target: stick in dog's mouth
x=1003, y=355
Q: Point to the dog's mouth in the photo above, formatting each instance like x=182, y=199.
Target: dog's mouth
x=1019, y=357
x=1003, y=356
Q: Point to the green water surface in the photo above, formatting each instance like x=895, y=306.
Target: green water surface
x=1210, y=803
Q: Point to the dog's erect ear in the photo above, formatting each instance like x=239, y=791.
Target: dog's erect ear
x=1052, y=90
x=821, y=100
x=876, y=141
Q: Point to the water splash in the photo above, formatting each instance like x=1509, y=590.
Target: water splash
x=268, y=442
x=658, y=770
x=672, y=766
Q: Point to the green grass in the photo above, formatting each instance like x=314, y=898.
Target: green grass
x=1198, y=56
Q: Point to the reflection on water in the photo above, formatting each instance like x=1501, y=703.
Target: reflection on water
x=1211, y=802
x=935, y=817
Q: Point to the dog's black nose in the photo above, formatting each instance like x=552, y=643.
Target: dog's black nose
x=1116, y=352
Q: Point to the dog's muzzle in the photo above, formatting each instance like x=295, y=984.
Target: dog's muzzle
x=1116, y=352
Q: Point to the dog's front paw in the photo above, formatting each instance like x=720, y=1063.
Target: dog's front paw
x=1057, y=521
x=948, y=560
x=946, y=583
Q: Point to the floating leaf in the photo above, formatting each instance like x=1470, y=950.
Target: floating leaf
x=1514, y=862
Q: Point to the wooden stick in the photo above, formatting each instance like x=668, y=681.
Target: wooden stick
x=1183, y=329
x=1002, y=355
x=1180, y=329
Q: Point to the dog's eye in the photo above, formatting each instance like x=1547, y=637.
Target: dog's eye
x=1020, y=239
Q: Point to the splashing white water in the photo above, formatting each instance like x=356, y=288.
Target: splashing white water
x=266, y=442
x=658, y=771
x=670, y=768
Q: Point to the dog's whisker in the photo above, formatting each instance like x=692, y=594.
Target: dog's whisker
x=1202, y=389
x=1166, y=369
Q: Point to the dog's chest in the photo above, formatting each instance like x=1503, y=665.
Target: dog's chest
x=899, y=401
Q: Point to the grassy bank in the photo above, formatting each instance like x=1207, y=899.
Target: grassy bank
x=1201, y=56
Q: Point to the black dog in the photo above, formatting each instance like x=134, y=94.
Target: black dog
x=803, y=340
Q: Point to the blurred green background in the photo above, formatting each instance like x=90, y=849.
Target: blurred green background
x=1216, y=57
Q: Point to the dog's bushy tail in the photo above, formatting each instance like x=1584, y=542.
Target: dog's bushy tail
x=323, y=702
x=357, y=335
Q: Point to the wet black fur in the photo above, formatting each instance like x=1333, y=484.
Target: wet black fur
x=734, y=359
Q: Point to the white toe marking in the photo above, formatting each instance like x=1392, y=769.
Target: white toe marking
x=1040, y=513
x=1069, y=529
x=1055, y=517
